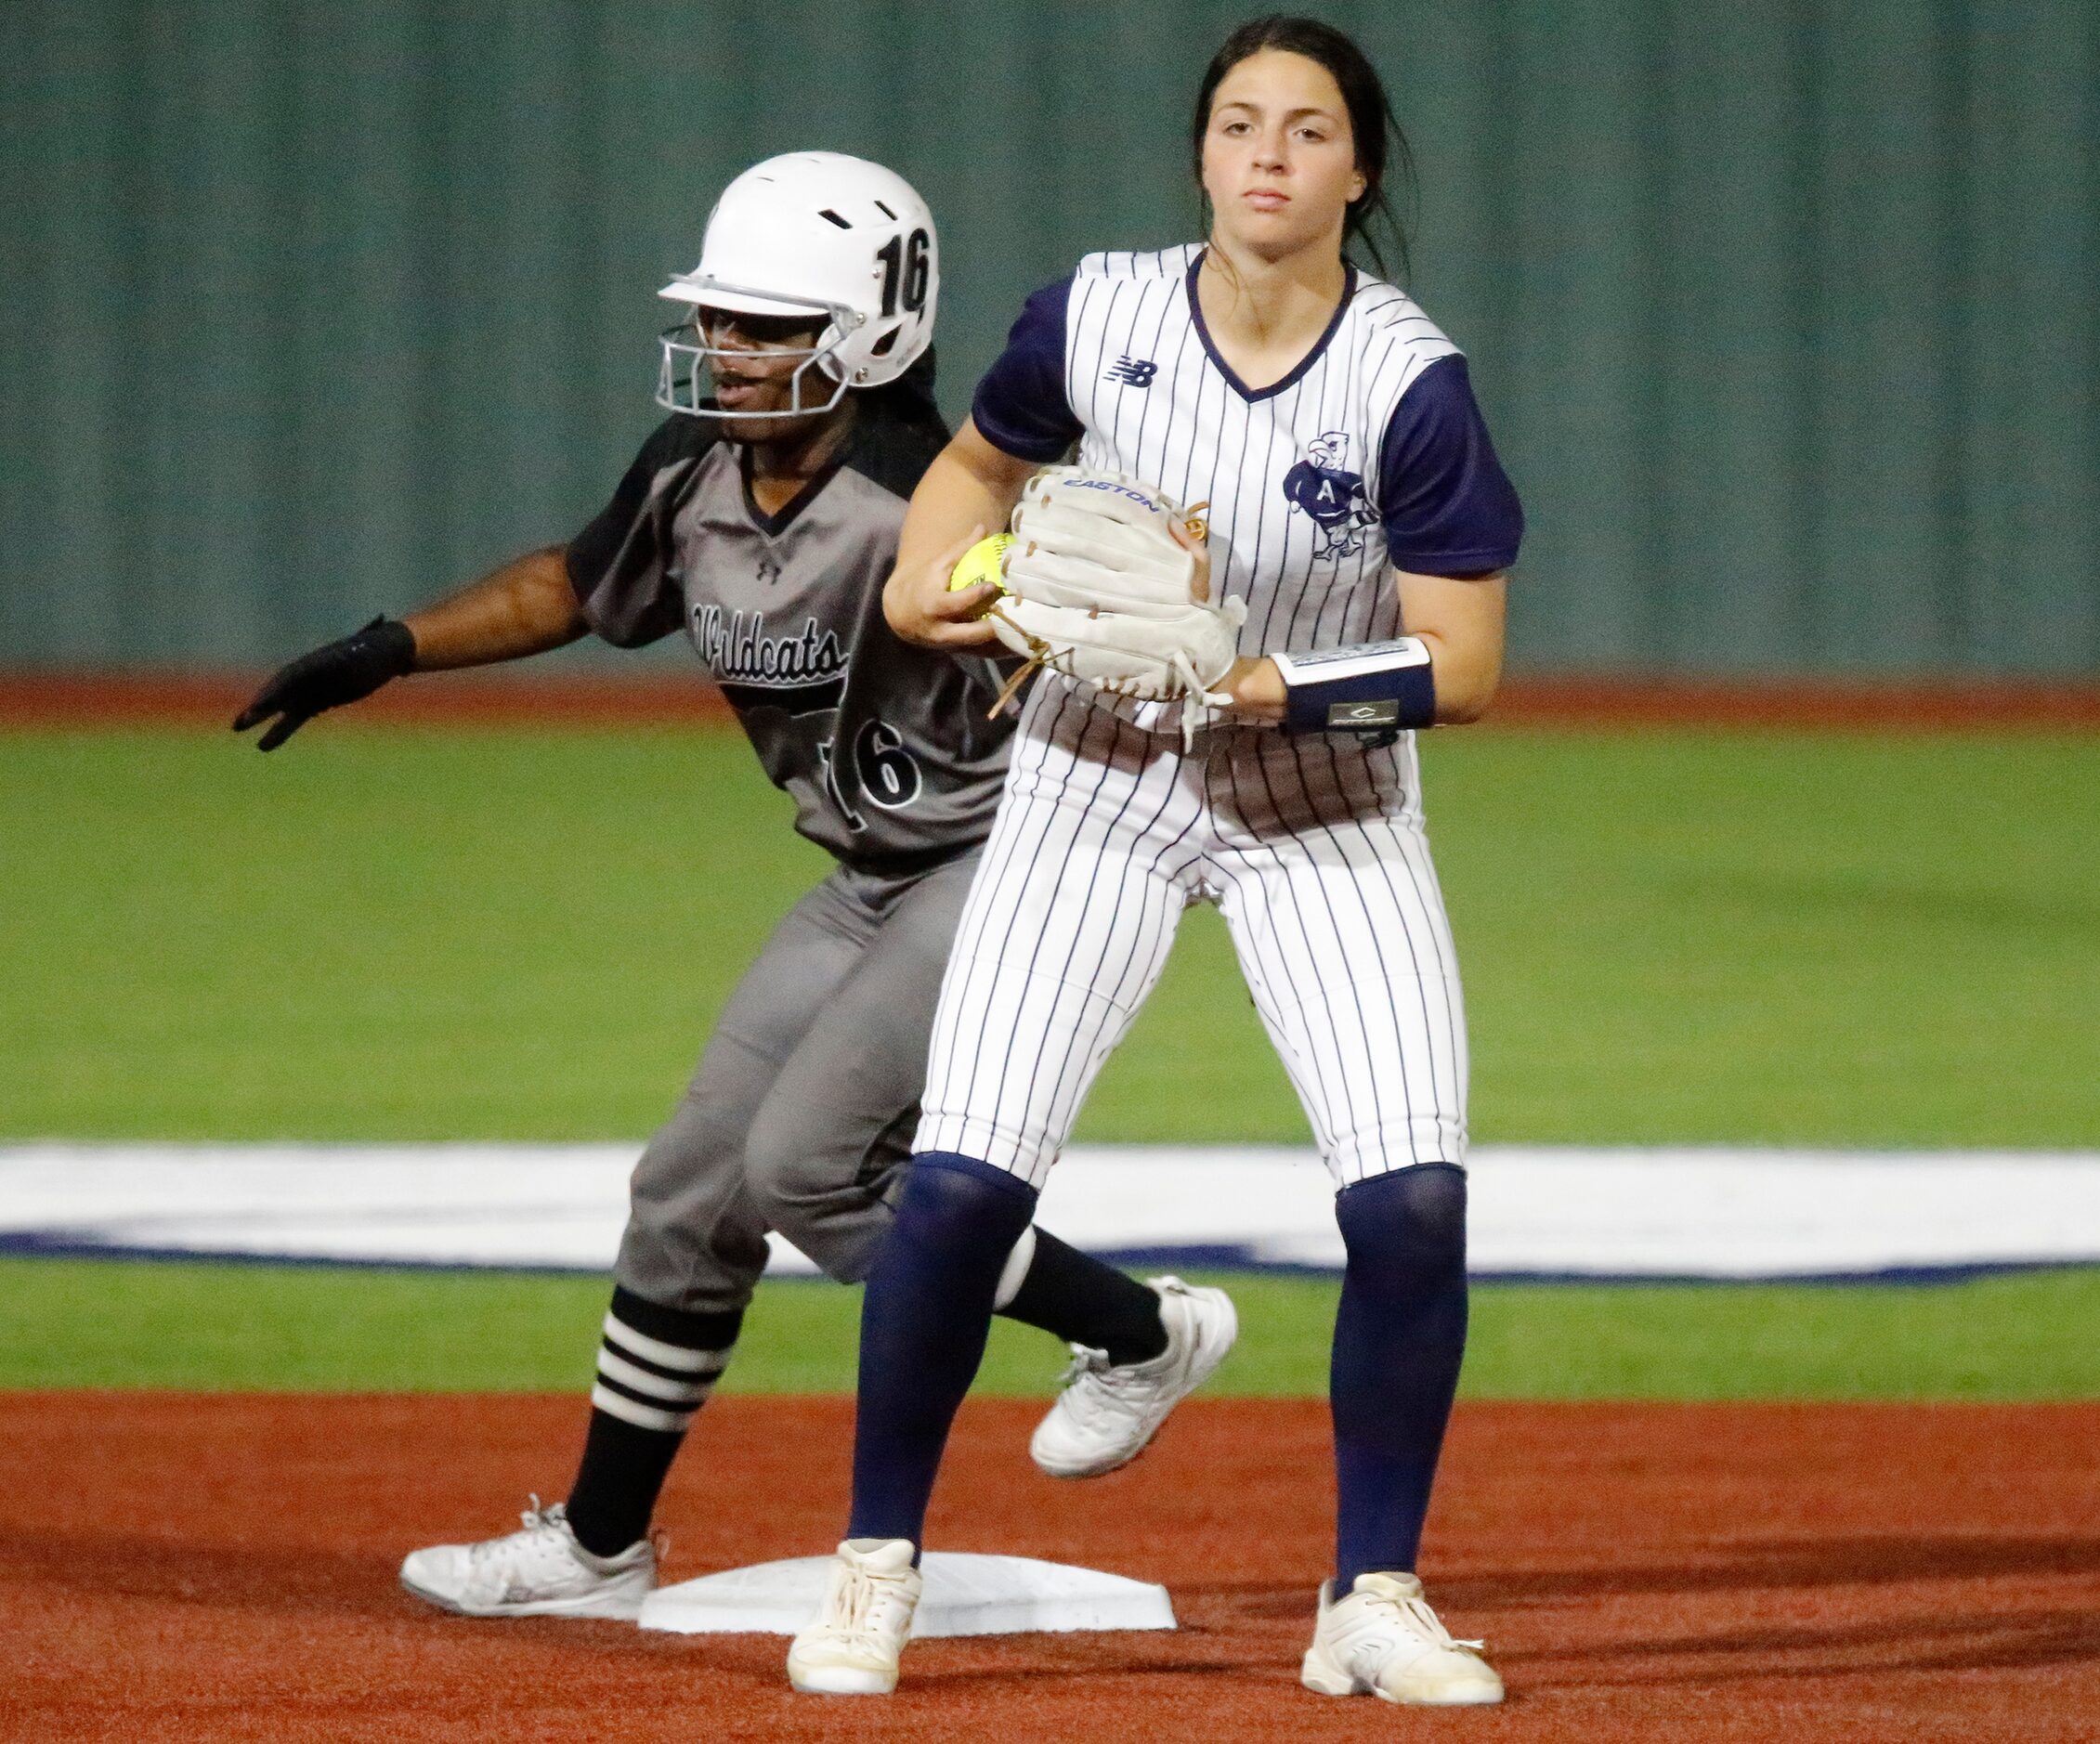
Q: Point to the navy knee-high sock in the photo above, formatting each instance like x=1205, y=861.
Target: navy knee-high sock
x=923, y=1327
x=1400, y=1335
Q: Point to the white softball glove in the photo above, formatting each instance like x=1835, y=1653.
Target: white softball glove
x=1100, y=591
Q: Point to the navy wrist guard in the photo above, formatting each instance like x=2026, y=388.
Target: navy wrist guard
x=1374, y=688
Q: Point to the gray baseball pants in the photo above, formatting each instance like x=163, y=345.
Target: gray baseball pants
x=801, y=1113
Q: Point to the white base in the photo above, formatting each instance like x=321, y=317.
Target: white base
x=965, y=1595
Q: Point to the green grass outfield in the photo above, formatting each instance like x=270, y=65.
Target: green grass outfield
x=398, y=934
x=390, y=933
x=127, y=1323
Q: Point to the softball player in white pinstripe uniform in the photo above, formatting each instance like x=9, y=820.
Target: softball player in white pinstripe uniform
x=1312, y=845
x=1357, y=508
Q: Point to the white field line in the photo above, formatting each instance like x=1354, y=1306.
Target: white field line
x=1536, y=1210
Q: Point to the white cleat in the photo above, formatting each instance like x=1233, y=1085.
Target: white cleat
x=1383, y=1640
x=539, y=1571
x=1104, y=1417
x=853, y=1647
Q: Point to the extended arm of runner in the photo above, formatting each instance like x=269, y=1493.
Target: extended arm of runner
x=1369, y=687
x=526, y=607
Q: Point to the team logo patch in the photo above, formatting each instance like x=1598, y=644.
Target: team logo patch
x=1324, y=488
x=1131, y=372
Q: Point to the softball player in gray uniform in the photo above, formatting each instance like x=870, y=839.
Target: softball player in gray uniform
x=1357, y=509
x=761, y=522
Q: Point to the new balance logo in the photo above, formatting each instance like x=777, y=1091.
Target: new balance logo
x=1131, y=372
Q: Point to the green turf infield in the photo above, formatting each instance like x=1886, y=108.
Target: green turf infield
x=206, y=1326
x=423, y=933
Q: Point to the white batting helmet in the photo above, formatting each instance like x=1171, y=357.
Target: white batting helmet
x=815, y=233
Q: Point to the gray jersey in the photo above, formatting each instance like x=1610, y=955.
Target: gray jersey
x=885, y=747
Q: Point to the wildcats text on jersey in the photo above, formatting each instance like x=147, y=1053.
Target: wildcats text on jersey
x=741, y=652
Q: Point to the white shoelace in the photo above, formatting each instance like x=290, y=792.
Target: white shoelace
x=535, y=1522
x=853, y=1604
x=544, y=1533
x=1415, y=1615
x=1095, y=1387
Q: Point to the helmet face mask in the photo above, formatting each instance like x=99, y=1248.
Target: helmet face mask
x=690, y=357
x=844, y=242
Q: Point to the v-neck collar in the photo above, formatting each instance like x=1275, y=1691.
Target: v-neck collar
x=1303, y=364
x=773, y=526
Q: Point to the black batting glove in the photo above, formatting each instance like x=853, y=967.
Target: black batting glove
x=342, y=672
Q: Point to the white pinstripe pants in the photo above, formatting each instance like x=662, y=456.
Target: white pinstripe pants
x=1312, y=848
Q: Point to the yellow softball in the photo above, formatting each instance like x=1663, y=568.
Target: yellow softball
x=980, y=563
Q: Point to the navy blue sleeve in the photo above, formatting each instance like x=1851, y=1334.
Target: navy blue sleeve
x=1448, y=507
x=1020, y=406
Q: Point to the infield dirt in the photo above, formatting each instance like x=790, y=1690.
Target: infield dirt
x=223, y=1567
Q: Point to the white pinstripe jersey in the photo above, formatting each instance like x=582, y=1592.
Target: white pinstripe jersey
x=1368, y=455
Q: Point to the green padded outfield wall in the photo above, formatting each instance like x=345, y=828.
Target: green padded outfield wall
x=1787, y=316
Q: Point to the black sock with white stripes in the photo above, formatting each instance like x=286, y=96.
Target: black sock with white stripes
x=656, y=1368
x=1087, y=1301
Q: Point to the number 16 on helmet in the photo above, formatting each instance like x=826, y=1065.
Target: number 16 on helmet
x=841, y=242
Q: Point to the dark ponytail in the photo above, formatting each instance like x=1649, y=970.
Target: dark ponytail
x=1380, y=145
x=910, y=399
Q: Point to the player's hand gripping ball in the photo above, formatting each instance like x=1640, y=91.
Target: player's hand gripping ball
x=982, y=562
x=1103, y=591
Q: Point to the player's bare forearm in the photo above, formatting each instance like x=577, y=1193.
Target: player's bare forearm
x=1459, y=619
x=969, y=492
x=528, y=607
